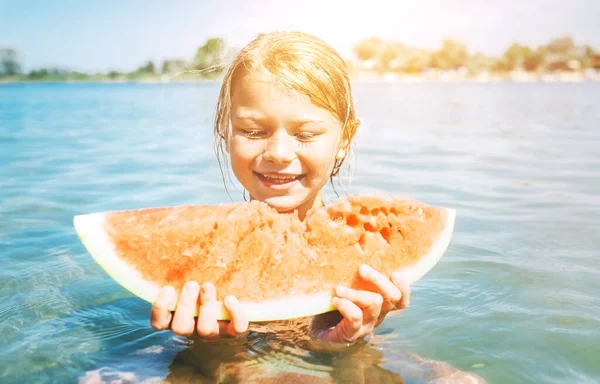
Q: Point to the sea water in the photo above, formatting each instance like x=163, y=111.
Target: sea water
x=514, y=300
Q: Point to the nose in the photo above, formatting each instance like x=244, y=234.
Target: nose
x=280, y=148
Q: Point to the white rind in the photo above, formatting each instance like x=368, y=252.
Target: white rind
x=92, y=233
x=427, y=262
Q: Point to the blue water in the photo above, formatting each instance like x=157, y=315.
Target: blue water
x=514, y=300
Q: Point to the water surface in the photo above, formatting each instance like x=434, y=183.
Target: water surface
x=515, y=298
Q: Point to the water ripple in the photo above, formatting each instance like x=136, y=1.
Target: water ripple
x=514, y=299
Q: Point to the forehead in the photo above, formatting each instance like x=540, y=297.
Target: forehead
x=259, y=94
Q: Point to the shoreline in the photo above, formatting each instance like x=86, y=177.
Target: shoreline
x=358, y=77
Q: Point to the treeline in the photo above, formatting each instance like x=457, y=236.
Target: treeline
x=371, y=55
x=560, y=54
x=207, y=63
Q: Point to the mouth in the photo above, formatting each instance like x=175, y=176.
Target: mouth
x=274, y=180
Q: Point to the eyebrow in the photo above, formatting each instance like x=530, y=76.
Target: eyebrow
x=260, y=119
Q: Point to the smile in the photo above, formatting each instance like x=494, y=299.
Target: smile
x=274, y=179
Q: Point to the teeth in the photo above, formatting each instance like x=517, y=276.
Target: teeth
x=280, y=178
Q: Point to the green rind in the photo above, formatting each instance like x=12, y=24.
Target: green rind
x=91, y=231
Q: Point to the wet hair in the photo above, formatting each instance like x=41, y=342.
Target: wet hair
x=303, y=63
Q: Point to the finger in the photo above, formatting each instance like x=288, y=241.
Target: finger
x=207, y=325
x=369, y=302
x=239, y=322
x=183, y=320
x=404, y=288
x=160, y=315
x=351, y=324
x=361, y=298
x=384, y=285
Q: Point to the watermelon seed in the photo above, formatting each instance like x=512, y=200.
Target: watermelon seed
x=361, y=243
x=369, y=227
x=352, y=221
x=385, y=233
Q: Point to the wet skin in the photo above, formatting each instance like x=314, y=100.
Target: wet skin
x=282, y=149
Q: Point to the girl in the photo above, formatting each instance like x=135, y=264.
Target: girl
x=285, y=121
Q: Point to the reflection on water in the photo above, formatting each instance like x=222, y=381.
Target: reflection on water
x=281, y=352
x=514, y=300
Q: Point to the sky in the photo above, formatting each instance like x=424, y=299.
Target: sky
x=122, y=35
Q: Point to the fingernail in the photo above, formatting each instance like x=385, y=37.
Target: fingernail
x=169, y=291
x=342, y=291
x=230, y=300
x=206, y=288
x=397, y=279
x=166, y=296
x=335, y=300
x=191, y=287
x=365, y=270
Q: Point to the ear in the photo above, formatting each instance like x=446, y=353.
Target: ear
x=341, y=153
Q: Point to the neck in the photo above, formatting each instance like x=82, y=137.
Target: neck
x=313, y=202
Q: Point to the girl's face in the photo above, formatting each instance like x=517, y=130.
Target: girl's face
x=282, y=147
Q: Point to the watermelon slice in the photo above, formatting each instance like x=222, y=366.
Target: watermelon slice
x=277, y=266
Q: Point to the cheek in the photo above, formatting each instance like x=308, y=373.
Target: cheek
x=240, y=153
x=321, y=159
x=238, y=161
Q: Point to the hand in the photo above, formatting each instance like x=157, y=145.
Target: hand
x=364, y=310
x=183, y=323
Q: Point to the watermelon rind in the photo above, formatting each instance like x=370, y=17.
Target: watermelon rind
x=91, y=231
x=416, y=271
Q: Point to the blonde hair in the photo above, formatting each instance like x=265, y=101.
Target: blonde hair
x=303, y=63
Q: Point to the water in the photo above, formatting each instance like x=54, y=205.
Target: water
x=514, y=300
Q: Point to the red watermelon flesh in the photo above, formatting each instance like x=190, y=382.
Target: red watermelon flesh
x=276, y=265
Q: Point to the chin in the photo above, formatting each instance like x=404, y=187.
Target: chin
x=283, y=203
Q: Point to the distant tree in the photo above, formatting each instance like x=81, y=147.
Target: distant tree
x=142, y=71
x=38, y=74
x=149, y=67
x=211, y=56
x=173, y=66
x=562, y=45
x=387, y=54
x=114, y=74
x=535, y=60
x=9, y=62
x=78, y=76
x=479, y=63
x=516, y=55
x=367, y=49
x=587, y=59
x=452, y=55
x=416, y=60
x=589, y=51
x=559, y=54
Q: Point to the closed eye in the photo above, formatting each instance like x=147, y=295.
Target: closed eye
x=306, y=136
x=252, y=133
